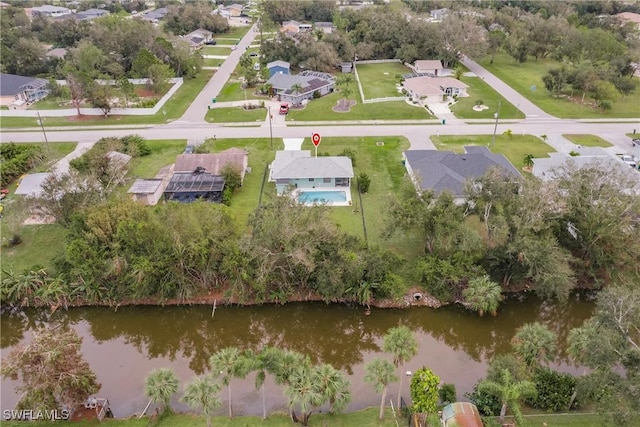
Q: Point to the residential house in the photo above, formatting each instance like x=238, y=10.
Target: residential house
x=325, y=27
x=429, y=90
x=298, y=169
x=439, y=14
x=156, y=15
x=197, y=185
x=294, y=89
x=90, y=14
x=214, y=163
x=429, y=67
x=198, y=38
x=50, y=11
x=461, y=414
x=147, y=191
x=626, y=17
x=290, y=28
x=440, y=171
x=234, y=10
x=561, y=164
x=3, y=5
x=17, y=91
x=278, y=67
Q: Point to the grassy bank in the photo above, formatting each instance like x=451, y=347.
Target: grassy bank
x=235, y=115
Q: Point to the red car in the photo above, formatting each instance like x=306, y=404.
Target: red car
x=284, y=108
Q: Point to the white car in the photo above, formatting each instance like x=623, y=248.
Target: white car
x=629, y=159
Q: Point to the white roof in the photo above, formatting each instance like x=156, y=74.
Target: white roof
x=428, y=64
x=31, y=185
x=299, y=165
x=145, y=186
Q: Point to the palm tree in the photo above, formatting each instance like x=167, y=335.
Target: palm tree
x=334, y=387
x=534, y=343
x=202, y=393
x=344, y=83
x=528, y=160
x=510, y=393
x=296, y=88
x=458, y=72
x=229, y=363
x=400, y=342
x=261, y=363
x=160, y=386
x=483, y=295
x=379, y=372
x=304, y=393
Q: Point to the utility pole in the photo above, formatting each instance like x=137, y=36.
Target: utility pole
x=42, y=126
x=270, y=129
x=495, y=127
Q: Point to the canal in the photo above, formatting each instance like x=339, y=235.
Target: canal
x=123, y=346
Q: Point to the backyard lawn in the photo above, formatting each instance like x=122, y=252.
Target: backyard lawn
x=174, y=108
x=479, y=90
x=40, y=243
x=588, y=140
x=321, y=110
x=522, y=77
x=379, y=80
x=514, y=148
x=235, y=115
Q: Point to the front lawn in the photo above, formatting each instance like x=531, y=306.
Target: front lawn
x=514, y=148
x=233, y=91
x=163, y=153
x=235, y=115
x=588, y=140
x=379, y=80
x=321, y=110
x=522, y=77
x=174, y=108
x=216, y=50
x=212, y=62
x=480, y=90
x=235, y=33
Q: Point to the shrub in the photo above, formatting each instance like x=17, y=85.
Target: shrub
x=316, y=94
x=487, y=404
x=447, y=393
x=574, y=153
x=347, y=152
x=479, y=102
x=14, y=240
x=363, y=183
x=554, y=389
x=16, y=160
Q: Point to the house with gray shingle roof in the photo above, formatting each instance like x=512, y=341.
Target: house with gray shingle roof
x=296, y=88
x=155, y=15
x=16, y=91
x=298, y=169
x=440, y=171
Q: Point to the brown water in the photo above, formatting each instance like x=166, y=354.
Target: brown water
x=123, y=346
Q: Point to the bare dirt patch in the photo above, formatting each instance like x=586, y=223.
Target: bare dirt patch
x=144, y=92
x=343, y=107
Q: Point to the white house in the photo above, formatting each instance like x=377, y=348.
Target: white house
x=50, y=11
x=428, y=66
x=430, y=90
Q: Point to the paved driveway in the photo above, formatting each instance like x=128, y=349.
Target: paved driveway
x=523, y=104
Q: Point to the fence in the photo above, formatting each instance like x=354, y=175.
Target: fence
x=377, y=61
x=388, y=98
x=177, y=82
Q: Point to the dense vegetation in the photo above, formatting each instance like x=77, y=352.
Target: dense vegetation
x=16, y=160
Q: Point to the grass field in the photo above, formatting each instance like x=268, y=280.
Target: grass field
x=479, y=90
x=232, y=36
x=236, y=115
x=174, y=107
x=588, y=140
x=379, y=80
x=232, y=91
x=514, y=148
x=215, y=50
x=40, y=243
x=522, y=77
x=212, y=62
x=163, y=153
x=321, y=110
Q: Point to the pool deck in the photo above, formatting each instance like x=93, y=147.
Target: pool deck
x=346, y=190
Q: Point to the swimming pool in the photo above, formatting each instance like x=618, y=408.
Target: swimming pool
x=321, y=196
